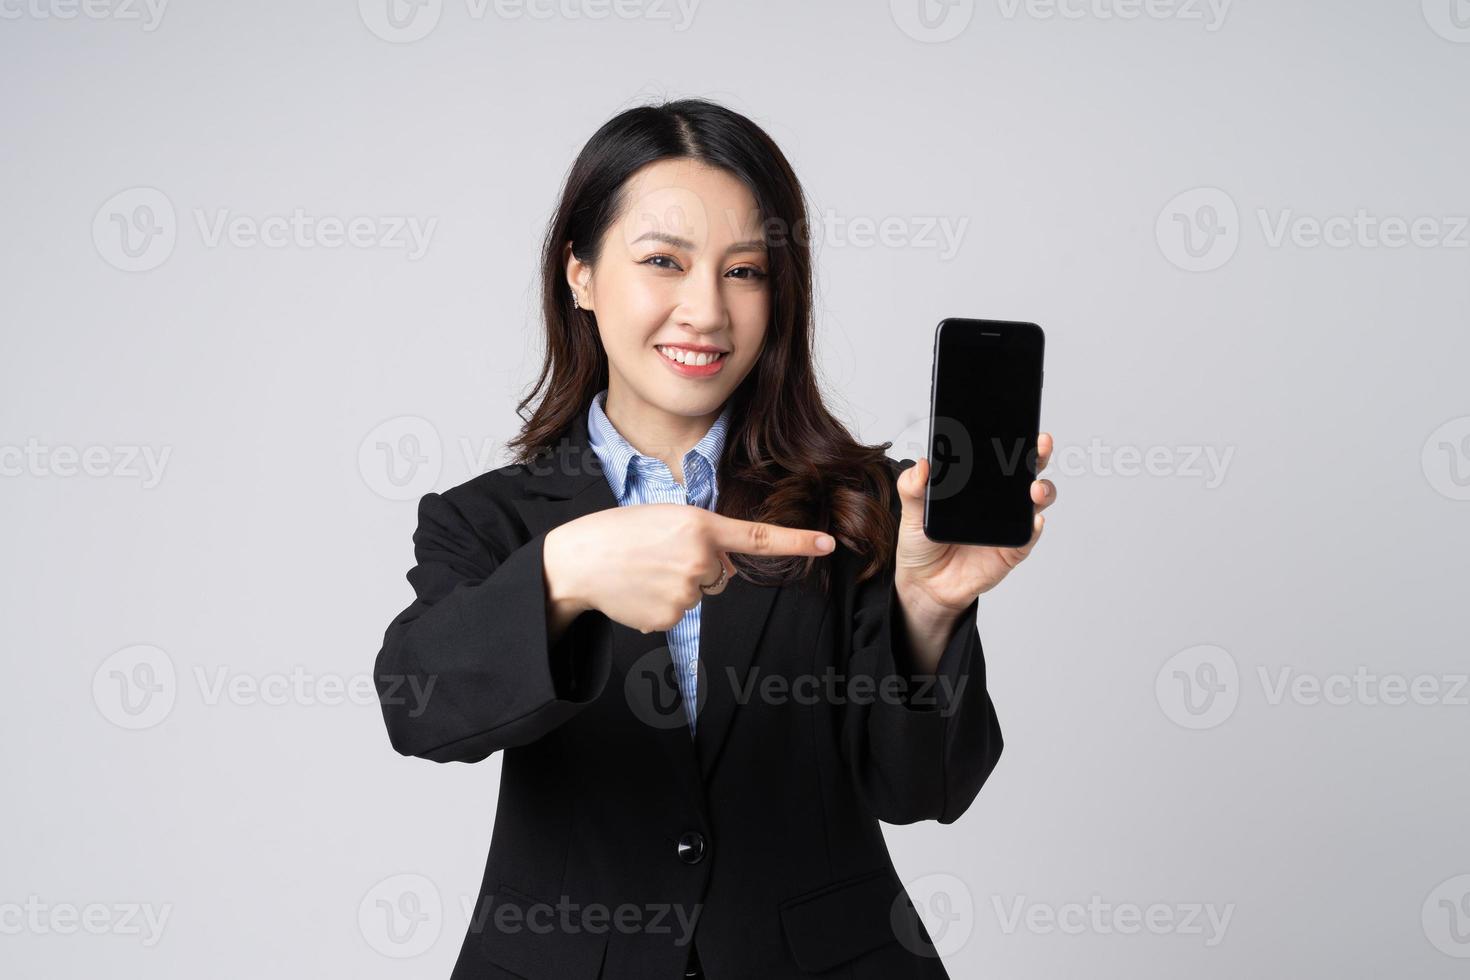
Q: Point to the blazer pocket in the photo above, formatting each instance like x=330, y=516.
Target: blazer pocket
x=534, y=942
x=839, y=922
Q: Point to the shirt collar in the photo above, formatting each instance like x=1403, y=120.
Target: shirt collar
x=618, y=454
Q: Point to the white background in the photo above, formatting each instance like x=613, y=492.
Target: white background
x=1334, y=542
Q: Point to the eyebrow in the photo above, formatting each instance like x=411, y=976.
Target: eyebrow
x=750, y=245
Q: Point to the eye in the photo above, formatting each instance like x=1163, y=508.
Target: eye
x=653, y=260
x=753, y=273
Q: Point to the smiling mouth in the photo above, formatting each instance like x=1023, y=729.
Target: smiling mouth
x=690, y=358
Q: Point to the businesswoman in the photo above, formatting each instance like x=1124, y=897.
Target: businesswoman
x=701, y=624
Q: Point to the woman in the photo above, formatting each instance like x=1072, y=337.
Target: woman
x=703, y=625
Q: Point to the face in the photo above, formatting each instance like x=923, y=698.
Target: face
x=682, y=275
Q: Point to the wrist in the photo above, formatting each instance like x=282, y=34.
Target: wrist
x=927, y=625
x=922, y=611
x=563, y=589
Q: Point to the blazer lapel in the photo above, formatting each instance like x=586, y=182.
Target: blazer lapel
x=730, y=626
x=571, y=485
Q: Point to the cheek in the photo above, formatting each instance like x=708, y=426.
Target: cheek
x=750, y=316
x=634, y=308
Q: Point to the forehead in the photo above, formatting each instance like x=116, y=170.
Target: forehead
x=690, y=199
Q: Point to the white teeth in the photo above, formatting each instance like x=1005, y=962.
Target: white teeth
x=688, y=357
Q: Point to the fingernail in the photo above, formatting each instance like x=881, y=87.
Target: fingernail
x=825, y=542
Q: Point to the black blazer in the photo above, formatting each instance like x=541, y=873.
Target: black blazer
x=615, y=830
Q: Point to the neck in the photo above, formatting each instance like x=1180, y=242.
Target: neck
x=655, y=432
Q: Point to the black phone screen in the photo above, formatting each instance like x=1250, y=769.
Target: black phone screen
x=984, y=419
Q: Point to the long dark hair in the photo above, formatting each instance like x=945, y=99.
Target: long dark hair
x=787, y=460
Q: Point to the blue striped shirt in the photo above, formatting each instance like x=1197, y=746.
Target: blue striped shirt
x=639, y=479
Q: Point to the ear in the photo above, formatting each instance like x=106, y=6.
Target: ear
x=579, y=277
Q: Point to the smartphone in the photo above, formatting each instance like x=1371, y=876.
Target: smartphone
x=984, y=418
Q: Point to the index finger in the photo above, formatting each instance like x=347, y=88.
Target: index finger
x=757, y=538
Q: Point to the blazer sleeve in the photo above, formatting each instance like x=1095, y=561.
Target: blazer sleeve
x=916, y=754
x=467, y=669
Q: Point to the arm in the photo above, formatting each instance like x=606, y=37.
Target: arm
x=486, y=657
x=917, y=754
x=923, y=750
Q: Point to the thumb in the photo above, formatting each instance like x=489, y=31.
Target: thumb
x=911, y=484
x=914, y=549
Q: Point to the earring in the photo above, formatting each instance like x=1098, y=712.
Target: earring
x=576, y=305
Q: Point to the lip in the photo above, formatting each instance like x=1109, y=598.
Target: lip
x=691, y=371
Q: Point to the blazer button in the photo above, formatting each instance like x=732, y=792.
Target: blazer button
x=691, y=847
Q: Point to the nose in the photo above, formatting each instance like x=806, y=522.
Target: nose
x=702, y=305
